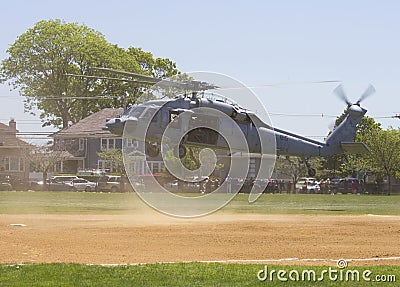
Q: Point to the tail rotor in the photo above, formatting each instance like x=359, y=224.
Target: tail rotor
x=339, y=91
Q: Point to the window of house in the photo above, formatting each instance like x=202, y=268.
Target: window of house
x=14, y=164
x=58, y=167
x=81, y=144
x=131, y=143
x=107, y=144
x=58, y=144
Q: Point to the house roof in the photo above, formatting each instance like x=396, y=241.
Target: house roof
x=90, y=126
x=5, y=127
x=9, y=139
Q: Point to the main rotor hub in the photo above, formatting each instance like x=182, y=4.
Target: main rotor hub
x=356, y=111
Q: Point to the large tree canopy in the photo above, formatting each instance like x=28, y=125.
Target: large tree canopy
x=384, y=152
x=40, y=60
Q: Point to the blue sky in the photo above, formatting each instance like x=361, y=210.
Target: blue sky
x=256, y=42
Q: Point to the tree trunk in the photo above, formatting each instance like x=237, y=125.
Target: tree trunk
x=65, y=122
x=44, y=177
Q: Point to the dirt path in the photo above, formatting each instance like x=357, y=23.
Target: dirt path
x=126, y=239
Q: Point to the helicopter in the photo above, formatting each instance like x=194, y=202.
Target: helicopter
x=257, y=132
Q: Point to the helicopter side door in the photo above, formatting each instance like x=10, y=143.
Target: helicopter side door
x=203, y=130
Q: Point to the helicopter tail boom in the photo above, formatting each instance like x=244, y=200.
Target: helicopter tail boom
x=341, y=140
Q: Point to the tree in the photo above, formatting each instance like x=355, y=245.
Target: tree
x=384, y=146
x=292, y=167
x=41, y=58
x=159, y=67
x=115, y=156
x=43, y=158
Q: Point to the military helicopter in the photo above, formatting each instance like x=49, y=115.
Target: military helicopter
x=255, y=130
x=341, y=140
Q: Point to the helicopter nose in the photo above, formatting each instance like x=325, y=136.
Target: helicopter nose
x=115, y=126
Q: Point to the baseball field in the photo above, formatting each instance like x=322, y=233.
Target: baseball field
x=104, y=239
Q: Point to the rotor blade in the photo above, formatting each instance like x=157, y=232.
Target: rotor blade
x=341, y=94
x=278, y=85
x=185, y=85
x=130, y=74
x=368, y=92
x=110, y=78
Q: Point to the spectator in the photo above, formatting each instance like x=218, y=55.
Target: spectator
x=353, y=186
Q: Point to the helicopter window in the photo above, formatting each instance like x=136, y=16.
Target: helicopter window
x=204, y=120
x=131, y=108
x=172, y=116
x=136, y=111
x=174, y=121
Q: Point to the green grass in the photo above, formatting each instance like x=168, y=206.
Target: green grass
x=122, y=203
x=67, y=203
x=324, y=204
x=180, y=274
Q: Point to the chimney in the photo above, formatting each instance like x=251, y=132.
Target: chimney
x=12, y=124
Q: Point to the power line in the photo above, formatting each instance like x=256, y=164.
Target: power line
x=34, y=133
x=303, y=115
x=22, y=121
x=328, y=116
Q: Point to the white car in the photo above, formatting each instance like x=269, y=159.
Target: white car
x=313, y=187
x=80, y=184
x=302, y=183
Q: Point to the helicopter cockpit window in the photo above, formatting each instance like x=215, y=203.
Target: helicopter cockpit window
x=135, y=111
x=174, y=120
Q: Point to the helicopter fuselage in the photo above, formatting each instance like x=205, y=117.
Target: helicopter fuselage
x=260, y=136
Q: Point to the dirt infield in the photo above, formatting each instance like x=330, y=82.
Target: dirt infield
x=146, y=238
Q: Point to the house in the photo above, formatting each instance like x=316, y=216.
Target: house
x=82, y=142
x=13, y=152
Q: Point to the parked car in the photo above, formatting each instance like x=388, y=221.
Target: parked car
x=81, y=184
x=63, y=178
x=302, y=183
x=55, y=183
x=110, y=183
x=347, y=184
x=12, y=182
x=313, y=187
x=5, y=183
